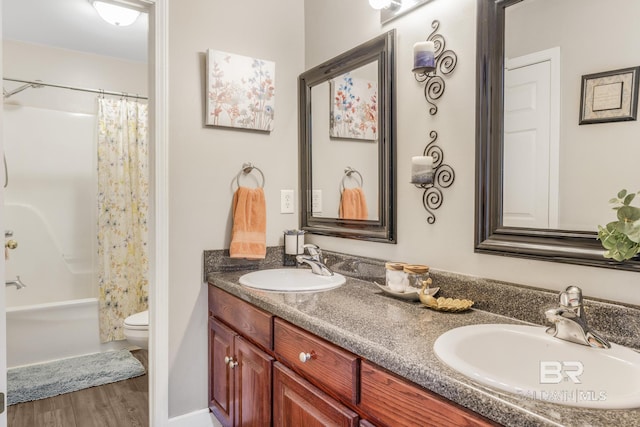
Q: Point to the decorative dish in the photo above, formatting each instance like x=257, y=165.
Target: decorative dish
x=412, y=295
x=445, y=304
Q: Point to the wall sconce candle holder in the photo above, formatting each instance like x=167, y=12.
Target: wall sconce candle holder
x=445, y=63
x=429, y=172
x=443, y=176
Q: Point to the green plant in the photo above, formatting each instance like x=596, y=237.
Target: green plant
x=621, y=238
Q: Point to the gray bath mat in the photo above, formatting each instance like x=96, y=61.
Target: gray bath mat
x=64, y=376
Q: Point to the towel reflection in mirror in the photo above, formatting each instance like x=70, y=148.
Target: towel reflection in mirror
x=353, y=204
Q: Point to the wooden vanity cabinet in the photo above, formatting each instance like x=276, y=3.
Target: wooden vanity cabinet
x=331, y=387
x=240, y=370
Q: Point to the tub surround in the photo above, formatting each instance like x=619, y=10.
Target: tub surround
x=399, y=335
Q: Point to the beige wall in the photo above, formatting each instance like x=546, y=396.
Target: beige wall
x=332, y=27
x=205, y=160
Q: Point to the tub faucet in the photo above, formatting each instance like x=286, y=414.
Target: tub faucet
x=314, y=259
x=17, y=283
x=570, y=322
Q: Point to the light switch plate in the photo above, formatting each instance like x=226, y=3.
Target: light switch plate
x=287, y=205
x=316, y=201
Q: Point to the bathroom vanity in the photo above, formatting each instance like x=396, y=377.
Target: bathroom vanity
x=313, y=379
x=355, y=357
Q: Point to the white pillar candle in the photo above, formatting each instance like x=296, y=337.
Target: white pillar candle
x=422, y=170
x=294, y=243
x=423, y=56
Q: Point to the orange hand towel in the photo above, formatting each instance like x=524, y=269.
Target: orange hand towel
x=353, y=204
x=249, y=232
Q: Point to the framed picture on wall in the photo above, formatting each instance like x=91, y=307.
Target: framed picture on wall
x=240, y=91
x=611, y=96
x=353, y=108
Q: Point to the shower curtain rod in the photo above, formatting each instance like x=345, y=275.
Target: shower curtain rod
x=98, y=91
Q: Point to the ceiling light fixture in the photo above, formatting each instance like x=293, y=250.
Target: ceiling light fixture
x=116, y=15
x=385, y=4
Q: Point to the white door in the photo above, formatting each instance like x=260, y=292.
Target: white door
x=530, y=152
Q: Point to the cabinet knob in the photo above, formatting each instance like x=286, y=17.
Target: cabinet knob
x=304, y=357
x=11, y=244
x=230, y=362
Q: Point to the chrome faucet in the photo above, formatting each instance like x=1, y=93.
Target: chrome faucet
x=314, y=259
x=570, y=322
x=17, y=283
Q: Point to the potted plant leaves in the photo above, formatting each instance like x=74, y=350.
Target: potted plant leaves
x=621, y=238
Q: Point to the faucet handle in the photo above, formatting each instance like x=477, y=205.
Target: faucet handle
x=571, y=297
x=313, y=250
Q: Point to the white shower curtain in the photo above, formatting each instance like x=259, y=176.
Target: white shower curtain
x=123, y=204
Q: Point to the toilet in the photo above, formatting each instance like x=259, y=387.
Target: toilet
x=136, y=329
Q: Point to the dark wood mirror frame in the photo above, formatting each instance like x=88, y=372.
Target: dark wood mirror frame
x=574, y=247
x=383, y=229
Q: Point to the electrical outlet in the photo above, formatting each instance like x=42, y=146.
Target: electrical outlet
x=316, y=201
x=286, y=202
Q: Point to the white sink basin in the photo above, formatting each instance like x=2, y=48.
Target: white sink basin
x=291, y=280
x=525, y=360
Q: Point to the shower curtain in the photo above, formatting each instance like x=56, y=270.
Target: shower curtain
x=123, y=204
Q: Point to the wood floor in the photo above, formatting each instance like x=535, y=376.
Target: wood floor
x=120, y=404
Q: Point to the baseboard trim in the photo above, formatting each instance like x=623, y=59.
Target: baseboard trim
x=201, y=418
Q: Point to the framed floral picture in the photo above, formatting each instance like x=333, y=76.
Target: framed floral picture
x=354, y=108
x=240, y=91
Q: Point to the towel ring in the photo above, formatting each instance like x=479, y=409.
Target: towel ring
x=247, y=168
x=348, y=171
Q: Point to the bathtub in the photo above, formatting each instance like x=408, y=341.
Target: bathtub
x=44, y=332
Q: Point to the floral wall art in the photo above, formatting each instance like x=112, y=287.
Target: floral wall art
x=240, y=91
x=354, y=108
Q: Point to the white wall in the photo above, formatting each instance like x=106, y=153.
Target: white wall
x=333, y=26
x=28, y=61
x=205, y=160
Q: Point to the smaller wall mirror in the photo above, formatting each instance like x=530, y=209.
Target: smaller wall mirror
x=347, y=144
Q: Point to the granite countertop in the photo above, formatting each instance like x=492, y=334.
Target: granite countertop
x=399, y=336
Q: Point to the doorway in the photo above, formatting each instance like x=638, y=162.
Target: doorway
x=36, y=8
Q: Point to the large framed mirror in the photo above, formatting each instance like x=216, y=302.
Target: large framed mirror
x=577, y=178
x=347, y=144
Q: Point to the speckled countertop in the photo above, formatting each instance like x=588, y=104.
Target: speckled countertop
x=399, y=336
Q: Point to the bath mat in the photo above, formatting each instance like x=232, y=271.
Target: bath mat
x=44, y=380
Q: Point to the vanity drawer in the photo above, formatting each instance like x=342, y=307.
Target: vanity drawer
x=328, y=366
x=251, y=322
x=395, y=402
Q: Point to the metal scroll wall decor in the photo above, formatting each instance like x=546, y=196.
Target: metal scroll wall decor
x=434, y=86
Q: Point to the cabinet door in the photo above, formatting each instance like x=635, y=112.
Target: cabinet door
x=220, y=376
x=252, y=385
x=297, y=403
